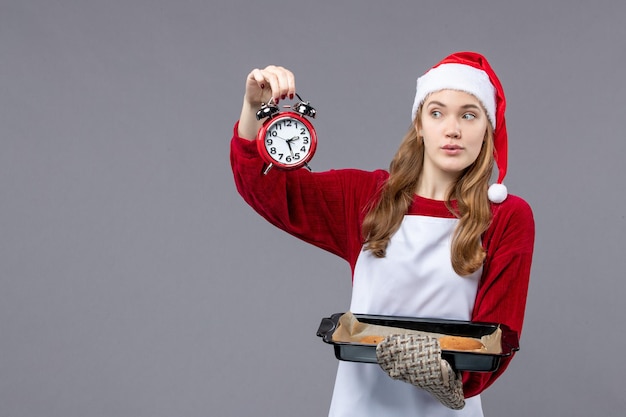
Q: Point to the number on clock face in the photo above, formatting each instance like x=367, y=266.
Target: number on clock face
x=288, y=141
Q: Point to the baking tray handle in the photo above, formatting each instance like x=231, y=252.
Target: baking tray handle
x=327, y=326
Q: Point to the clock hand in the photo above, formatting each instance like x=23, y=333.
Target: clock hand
x=289, y=145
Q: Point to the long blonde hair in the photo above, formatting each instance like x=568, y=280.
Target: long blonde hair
x=470, y=192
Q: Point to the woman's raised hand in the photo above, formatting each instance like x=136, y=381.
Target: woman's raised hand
x=270, y=82
x=262, y=85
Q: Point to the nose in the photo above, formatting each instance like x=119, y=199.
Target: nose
x=453, y=129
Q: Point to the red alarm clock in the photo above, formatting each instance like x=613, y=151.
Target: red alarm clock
x=287, y=140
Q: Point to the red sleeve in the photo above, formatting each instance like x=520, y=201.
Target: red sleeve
x=324, y=208
x=503, y=288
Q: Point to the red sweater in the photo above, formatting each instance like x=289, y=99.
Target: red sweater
x=327, y=209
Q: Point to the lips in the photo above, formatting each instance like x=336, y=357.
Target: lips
x=452, y=149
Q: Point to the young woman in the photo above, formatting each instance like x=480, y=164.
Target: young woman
x=427, y=238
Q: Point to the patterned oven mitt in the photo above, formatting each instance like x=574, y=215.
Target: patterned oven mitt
x=416, y=359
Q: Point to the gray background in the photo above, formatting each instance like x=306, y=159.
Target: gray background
x=134, y=281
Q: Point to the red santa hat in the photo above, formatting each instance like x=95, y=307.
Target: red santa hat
x=470, y=72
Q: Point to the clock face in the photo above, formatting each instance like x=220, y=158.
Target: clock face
x=288, y=141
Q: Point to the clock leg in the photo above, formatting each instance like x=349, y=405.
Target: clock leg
x=267, y=169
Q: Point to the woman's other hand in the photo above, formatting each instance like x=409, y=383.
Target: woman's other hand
x=262, y=85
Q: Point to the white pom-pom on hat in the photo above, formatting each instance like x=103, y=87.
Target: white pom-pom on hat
x=497, y=193
x=470, y=72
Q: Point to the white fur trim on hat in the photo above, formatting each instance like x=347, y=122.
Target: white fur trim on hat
x=458, y=77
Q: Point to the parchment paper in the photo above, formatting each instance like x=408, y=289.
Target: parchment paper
x=351, y=330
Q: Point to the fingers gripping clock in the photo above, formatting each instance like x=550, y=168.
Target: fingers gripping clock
x=287, y=140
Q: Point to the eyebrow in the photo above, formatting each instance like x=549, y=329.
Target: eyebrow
x=440, y=104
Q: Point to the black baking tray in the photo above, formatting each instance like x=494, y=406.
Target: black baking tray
x=462, y=361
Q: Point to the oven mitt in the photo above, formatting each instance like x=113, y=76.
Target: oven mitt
x=416, y=359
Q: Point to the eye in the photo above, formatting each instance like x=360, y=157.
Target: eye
x=436, y=114
x=468, y=116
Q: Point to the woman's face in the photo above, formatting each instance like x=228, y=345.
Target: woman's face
x=453, y=126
